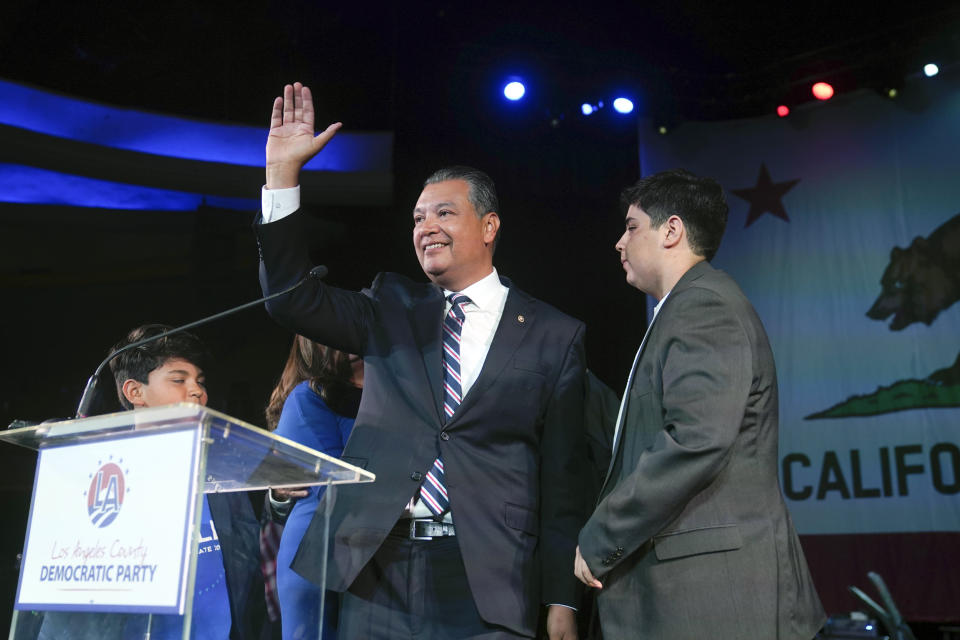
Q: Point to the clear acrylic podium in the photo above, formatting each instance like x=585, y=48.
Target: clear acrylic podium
x=85, y=471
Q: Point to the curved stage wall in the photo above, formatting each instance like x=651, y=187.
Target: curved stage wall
x=109, y=146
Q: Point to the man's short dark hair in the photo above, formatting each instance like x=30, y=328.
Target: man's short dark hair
x=136, y=364
x=482, y=192
x=699, y=202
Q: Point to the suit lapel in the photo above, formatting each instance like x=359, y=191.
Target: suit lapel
x=426, y=318
x=692, y=274
x=622, y=413
x=518, y=315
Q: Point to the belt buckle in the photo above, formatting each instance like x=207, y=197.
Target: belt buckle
x=413, y=528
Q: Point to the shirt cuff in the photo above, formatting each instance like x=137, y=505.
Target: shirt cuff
x=278, y=203
x=562, y=605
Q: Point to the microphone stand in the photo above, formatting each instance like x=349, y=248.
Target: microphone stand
x=86, y=400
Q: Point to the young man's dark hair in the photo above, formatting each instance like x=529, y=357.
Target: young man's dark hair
x=699, y=202
x=136, y=364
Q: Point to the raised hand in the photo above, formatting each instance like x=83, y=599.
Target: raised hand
x=291, y=142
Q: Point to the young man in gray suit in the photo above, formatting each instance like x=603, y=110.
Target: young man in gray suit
x=471, y=417
x=691, y=537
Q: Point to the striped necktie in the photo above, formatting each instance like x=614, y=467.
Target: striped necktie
x=432, y=491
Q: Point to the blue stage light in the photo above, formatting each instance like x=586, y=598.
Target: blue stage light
x=623, y=105
x=930, y=69
x=587, y=108
x=514, y=90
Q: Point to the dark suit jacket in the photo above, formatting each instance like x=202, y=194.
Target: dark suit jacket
x=511, y=452
x=691, y=537
x=239, y=531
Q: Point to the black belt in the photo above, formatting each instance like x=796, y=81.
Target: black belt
x=422, y=529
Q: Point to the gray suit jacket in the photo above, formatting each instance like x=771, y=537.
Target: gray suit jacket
x=691, y=537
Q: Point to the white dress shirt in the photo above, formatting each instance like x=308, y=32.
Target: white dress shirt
x=278, y=203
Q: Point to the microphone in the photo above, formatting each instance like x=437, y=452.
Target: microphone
x=86, y=400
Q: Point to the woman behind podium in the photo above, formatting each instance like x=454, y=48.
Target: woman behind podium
x=315, y=404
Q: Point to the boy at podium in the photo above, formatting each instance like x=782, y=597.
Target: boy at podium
x=228, y=598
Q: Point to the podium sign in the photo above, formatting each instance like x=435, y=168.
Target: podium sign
x=113, y=532
x=114, y=529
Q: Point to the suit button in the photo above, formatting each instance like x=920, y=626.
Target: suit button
x=416, y=476
x=444, y=436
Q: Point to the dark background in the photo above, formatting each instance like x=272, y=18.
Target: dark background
x=74, y=280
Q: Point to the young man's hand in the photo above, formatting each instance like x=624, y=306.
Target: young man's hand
x=583, y=573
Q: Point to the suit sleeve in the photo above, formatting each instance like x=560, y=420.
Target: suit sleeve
x=562, y=479
x=325, y=314
x=705, y=362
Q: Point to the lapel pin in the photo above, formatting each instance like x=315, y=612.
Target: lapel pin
x=521, y=319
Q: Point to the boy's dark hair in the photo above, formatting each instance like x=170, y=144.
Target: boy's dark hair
x=699, y=202
x=136, y=364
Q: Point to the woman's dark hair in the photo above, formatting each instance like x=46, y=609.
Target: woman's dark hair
x=328, y=370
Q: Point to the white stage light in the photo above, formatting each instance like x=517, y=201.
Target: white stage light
x=514, y=90
x=623, y=105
